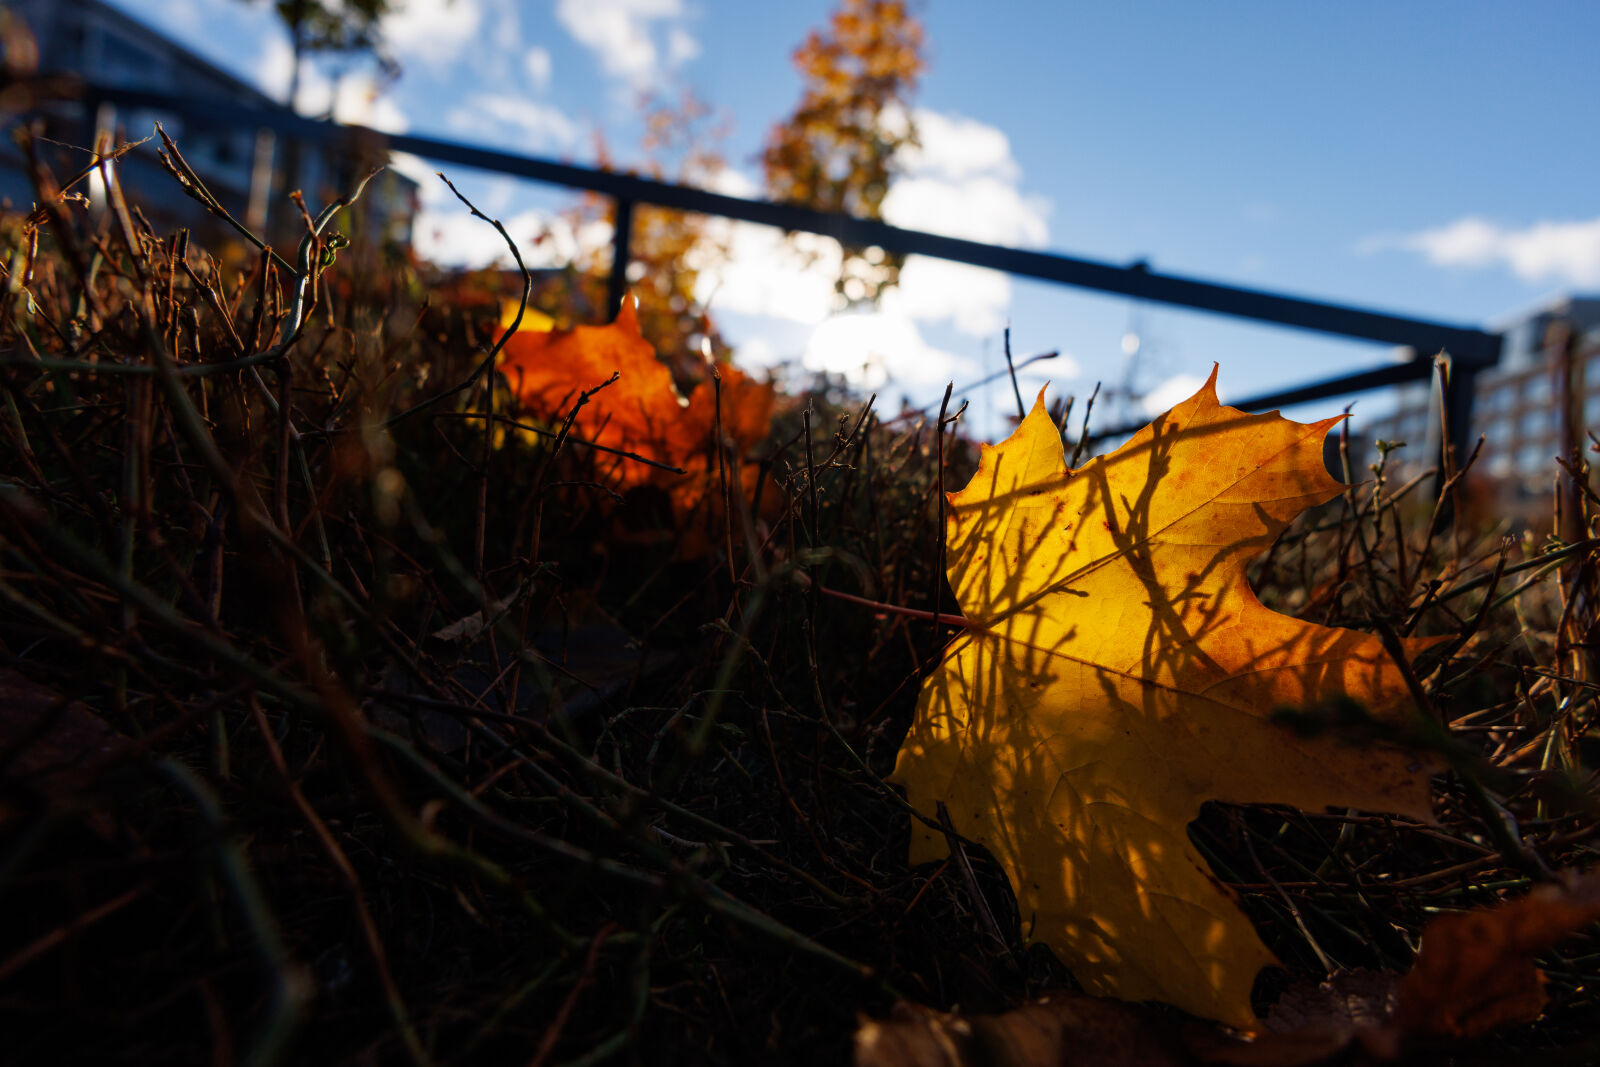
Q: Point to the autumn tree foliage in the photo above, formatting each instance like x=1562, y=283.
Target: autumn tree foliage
x=836, y=151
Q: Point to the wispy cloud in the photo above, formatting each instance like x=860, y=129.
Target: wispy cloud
x=1566, y=252
x=1170, y=393
x=433, y=32
x=535, y=126
x=961, y=180
x=681, y=46
x=623, y=35
x=872, y=347
x=955, y=147
x=537, y=63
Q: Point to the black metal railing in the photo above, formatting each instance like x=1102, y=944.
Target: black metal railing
x=1469, y=349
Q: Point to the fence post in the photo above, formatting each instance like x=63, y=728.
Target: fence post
x=261, y=164
x=1460, y=386
x=1562, y=342
x=621, y=241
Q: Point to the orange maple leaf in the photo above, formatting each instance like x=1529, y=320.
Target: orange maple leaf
x=642, y=411
x=1118, y=672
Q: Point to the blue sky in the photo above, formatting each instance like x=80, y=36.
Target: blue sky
x=1437, y=159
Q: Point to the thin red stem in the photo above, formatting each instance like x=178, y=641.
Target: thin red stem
x=894, y=609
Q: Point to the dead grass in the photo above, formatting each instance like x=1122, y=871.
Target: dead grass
x=334, y=732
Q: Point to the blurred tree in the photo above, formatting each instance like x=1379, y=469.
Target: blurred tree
x=324, y=27
x=335, y=26
x=836, y=151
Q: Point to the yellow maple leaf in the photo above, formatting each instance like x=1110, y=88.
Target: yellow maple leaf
x=1118, y=672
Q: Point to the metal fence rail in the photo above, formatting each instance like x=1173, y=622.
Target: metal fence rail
x=1469, y=348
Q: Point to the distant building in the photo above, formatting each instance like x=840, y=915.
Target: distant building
x=1542, y=398
x=93, y=41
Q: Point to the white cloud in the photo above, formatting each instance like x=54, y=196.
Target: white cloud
x=275, y=67
x=961, y=181
x=764, y=274
x=954, y=147
x=730, y=182
x=433, y=31
x=974, y=299
x=622, y=35
x=1564, y=252
x=894, y=121
x=537, y=64
x=361, y=102
x=681, y=46
x=872, y=347
x=420, y=171
x=455, y=238
x=506, y=31
x=1170, y=393
x=446, y=233
x=540, y=126
x=978, y=209
x=356, y=98
x=793, y=279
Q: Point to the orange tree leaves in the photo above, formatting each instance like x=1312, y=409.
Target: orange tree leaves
x=642, y=411
x=1118, y=672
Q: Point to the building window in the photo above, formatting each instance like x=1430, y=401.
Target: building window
x=1534, y=459
x=124, y=63
x=1537, y=390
